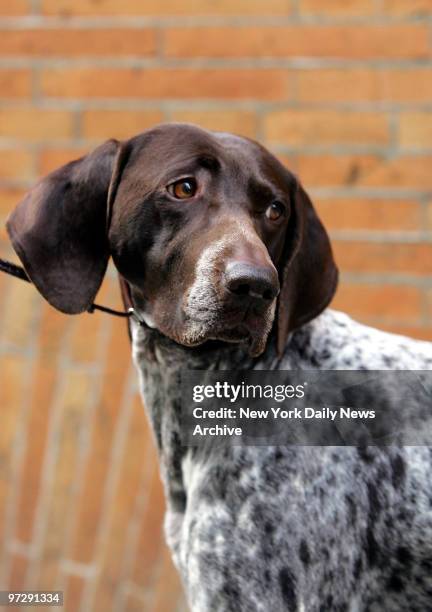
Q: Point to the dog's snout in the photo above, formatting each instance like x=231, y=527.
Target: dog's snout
x=244, y=279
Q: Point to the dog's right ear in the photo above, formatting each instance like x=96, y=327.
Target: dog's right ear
x=59, y=230
x=309, y=274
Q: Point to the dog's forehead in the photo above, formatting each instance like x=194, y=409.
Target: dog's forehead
x=173, y=144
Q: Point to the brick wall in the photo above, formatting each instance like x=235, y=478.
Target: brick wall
x=339, y=89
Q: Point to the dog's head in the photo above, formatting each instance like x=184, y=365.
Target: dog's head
x=213, y=234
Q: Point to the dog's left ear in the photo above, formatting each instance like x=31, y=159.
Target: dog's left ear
x=59, y=230
x=308, y=272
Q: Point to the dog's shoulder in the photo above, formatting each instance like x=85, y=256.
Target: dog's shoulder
x=335, y=341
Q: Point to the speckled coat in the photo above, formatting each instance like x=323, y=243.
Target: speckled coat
x=302, y=529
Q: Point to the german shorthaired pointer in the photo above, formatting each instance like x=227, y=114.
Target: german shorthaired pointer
x=224, y=258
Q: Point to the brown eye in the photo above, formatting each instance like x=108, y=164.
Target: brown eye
x=183, y=189
x=275, y=211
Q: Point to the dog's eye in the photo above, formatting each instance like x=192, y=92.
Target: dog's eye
x=183, y=189
x=275, y=211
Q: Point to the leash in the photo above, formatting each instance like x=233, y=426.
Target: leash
x=18, y=272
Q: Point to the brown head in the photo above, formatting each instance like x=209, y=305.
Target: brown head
x=215, y=237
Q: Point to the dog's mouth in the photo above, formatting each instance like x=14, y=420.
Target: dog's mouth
x=233, y=326
x=239, y=322
x=240, y=333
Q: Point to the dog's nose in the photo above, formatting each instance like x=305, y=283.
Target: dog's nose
x=244, y=279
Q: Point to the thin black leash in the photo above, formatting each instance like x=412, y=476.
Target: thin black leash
x=19, y=272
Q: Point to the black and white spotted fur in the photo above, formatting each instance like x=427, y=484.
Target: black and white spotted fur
x=298, y=529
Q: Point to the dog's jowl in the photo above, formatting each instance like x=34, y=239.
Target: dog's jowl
x=222, y=256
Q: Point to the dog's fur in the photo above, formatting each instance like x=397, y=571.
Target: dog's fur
x=250, y=528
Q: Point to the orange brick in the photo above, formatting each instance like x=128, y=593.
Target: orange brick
x=238, y=122
x=415, y=130
x=133, y=465
x=411, y=331
x=84, y=341
x=168, y=7
x=149, y=550
x=50, y=42
x=52, y=329
x=406, y=172
x=35, y=449
x=338, y=85
x=303, y=127
x=17, y=7
x=50, y=159
x=349, y=41
x=16, y=164
x=75, y=586
x=289, y=161
x=150, y=83
x=110, y=291
x=9, y=198
x=337, y=7
x=384, y=215
x=32, y=474
x=371, y=303
x=4, y=279
x=360, y=84
x=34, y=124
x=408, y=7
x=18, y=572
x=90, y=503
x=329, y=170
x=73, y=409
x=101, y=124
x=167, y=599
x=12, y=394
x=5, y=243
x=137, y=601
x=429, y=215
x=15, y=83
x=413, y=85
x=384, y=257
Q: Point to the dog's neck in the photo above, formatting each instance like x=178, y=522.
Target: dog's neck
x=160, y=362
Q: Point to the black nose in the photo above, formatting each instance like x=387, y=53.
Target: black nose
x=244, y=279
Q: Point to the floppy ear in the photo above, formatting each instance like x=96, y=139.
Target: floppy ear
x=308, y=272
x=59, y=230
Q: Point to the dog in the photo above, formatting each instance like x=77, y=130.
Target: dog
x=228, y=267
